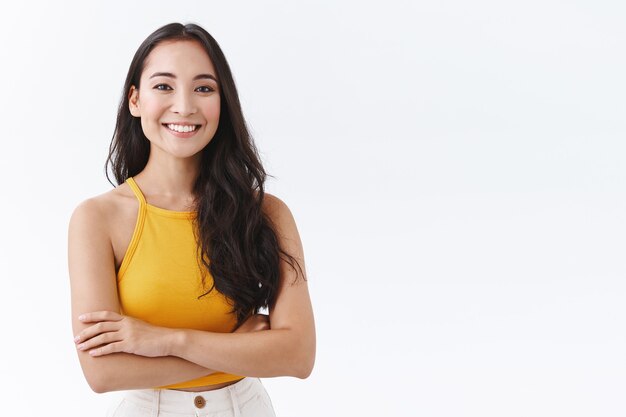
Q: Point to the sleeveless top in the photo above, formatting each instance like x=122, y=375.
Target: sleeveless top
x=159, y=280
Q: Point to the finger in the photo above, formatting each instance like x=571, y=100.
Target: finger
x=245, y=326
x=264, y=325
x=255, y=323
x=101, y=339
x=263, y=321
x=100, y=316
x=107, y=349
x=96, y=329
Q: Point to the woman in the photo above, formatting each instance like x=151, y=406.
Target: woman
x=169, y=269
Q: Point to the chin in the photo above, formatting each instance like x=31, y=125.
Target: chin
x=186, y=154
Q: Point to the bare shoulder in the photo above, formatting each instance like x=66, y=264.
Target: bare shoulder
x=91, y=260
x=285, y=227
x=278, y=211
x=89, y=215
x=104, y=210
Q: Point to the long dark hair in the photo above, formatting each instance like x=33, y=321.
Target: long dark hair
x=236, y=241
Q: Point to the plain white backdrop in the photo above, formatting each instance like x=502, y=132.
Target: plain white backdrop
x=456, y=170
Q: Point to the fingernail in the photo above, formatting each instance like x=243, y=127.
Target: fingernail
x=76, y=339
x=81, y=317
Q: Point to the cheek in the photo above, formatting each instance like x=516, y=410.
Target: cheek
x=152, y=109
x=212, y=110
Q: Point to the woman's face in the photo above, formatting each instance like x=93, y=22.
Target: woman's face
x=179, y=100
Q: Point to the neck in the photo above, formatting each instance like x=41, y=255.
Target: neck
x=170, y=177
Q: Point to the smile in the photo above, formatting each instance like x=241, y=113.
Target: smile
x=181, y=128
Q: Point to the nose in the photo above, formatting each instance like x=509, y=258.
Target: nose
x=183, y=104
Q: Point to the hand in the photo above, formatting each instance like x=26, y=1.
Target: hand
x=114, y=332
x=254, y=323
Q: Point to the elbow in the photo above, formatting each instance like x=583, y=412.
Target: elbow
x=305, y=363
x=101, y=384
x=98, y=389
x=97, y=384
x=298, y=356
x=304, y=374
x=97, y=378
x=307, y=369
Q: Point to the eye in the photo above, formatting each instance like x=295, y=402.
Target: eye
x=205, y=89
x=162, y=87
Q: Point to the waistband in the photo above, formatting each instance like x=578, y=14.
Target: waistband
x=168, y=400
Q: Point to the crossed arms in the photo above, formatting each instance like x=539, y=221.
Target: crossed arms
x=127, y=353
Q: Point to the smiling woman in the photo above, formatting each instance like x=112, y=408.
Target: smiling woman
x=170, y=269
x=182, y=102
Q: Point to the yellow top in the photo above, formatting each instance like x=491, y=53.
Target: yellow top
x=159, y=279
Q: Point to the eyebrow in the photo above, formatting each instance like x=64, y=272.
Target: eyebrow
x=197, y=77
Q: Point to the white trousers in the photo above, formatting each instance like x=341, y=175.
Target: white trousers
x=244, y=398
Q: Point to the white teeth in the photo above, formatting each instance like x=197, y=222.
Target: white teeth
x=182, y=129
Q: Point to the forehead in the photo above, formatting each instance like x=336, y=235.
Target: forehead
x=180, y=57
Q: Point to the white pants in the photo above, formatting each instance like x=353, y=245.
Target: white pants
x=246, y=397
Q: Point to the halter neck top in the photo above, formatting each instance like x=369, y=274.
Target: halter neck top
x=159, y=280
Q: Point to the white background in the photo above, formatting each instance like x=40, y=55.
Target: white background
x=456, y=170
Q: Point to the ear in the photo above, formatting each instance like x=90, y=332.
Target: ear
x=133, y=101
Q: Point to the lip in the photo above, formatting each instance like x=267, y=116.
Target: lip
x=182, y=134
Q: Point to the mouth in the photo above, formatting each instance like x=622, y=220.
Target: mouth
x=176, y=128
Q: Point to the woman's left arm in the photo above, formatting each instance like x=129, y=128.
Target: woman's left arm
x=286, y=349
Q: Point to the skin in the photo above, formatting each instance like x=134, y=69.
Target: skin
x=119, y=352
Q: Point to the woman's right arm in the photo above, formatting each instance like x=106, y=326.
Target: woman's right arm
x=93, y=284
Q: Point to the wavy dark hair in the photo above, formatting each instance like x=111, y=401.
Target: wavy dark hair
x=236, y=241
